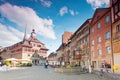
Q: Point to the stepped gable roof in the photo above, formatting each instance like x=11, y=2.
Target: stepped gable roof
x=99, y=12
x=32, y=39
x=26, y=43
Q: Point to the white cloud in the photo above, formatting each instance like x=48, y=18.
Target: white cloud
x=17, y=33
x=25, y=15
x=65, y=10
x=9, y=35
x=98, y=3
x=72, y=12
x=76, y=13
x=46, y=3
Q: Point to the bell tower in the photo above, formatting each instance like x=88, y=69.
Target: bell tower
x=25, y=34
x=33, y=34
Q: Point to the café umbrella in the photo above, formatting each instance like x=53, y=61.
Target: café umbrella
x=11, y=59
x=25, y=60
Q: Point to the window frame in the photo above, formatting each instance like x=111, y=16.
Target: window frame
x=92, y=30
x=107, y=19
x=92, y=43
x=98, y=25
x=99, y=52
x=118, y=28
x=107, y=36
x=108, y=50
x=99, y=39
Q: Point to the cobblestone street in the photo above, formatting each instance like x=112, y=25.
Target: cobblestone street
x=40, y=73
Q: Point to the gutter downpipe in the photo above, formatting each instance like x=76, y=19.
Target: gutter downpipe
x=111, y=39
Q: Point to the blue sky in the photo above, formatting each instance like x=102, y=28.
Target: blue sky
x=49, y=18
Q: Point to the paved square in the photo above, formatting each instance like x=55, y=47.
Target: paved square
x=40, y=73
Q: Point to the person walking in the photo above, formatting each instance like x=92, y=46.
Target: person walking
x=46, y=64
x=4, y=67
x=0, y=63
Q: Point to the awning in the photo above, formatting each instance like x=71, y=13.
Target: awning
x=11, y=59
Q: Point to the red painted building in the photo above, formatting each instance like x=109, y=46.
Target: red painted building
x=100, y=38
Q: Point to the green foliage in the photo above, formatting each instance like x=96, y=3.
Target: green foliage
x=26, y=65
x=70, y=65
x=7, y=63
x=29, y=64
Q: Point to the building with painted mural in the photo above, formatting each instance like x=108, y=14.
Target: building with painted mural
x=99, y=44
x=115, y=11
x=79, y=46
x=28, y=49
x=62, y=54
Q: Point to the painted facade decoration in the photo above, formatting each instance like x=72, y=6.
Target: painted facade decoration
x=26, y=49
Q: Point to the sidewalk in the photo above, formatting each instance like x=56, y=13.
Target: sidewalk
x=12, y=68
x=111, y=76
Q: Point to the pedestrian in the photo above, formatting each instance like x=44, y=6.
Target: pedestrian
x=46, y=64
x=90, y=69
x=101, y=72
x=0, y=63
x=4, y=67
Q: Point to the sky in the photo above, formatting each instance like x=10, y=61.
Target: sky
x=49, y=18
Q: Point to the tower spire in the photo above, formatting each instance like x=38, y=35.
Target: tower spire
x=25, y=34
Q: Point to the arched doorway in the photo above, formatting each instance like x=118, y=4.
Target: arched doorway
x=35, y=59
